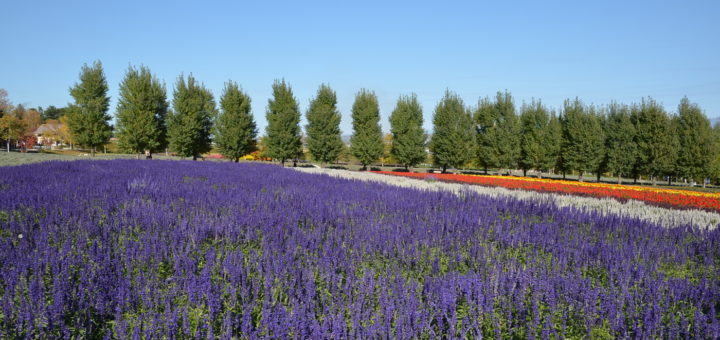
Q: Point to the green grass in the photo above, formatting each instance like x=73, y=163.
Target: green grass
x=19, y=158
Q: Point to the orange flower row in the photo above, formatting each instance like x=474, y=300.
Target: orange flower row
x=677, y=198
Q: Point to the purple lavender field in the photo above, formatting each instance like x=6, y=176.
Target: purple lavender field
x=179, y=249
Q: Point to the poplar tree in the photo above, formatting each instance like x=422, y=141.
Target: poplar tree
x=452, y=141
x=141, y=111
x=366, y=141
x=582, y=138
x=323, y=128
x=190, y=122
x=486, y=131
x=656, y=143
x=602, y=120
x=620, y=147
x=535, y=139
x=556, y=144
x=507, y=137
x=408, y=136
x=283, y=129
x=696, y=141
x=88, y=119
x=714, y=166
x=235, y=129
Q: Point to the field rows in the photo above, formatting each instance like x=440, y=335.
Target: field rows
x=179, y=249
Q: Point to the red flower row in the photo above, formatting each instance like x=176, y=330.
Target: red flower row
x=675, y=198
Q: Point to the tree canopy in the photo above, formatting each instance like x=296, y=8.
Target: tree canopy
x=452, y=142
x=283, y=129
x=323, y=128
x=141, y=112
x=620, y=147
x=408, y=136
x=583, y=137
x=366, y=141
x=656, y=141
x=536, y=151
x=88, y=119
x=695, y=139
x=235, y=128
x=190, y=122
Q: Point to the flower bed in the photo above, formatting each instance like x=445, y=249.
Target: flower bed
x=677, y=198
x=184, y=250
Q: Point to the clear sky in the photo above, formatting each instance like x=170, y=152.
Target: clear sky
x=598, y=51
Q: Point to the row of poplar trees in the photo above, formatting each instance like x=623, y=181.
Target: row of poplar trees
x=145, y=122
x=625, y=140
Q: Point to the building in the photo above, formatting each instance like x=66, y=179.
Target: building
x=48, y=134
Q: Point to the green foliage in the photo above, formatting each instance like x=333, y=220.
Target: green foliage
x=88, y=120
x=535, y=138
x=583, y=138
x=235, y=129
x=366, y=141
x=191, y=120
x=11, y=128
x=656, y=141
x=555, y=144
x=714, y=166
x=620, y=147
x=484, y=118
x=695, y=140
x=141, y=112
x=283, y=129
x=52, y=112
x=507, y=135
x=498, y=132
x=452, y=143
x=323, y=128
x=408, y=142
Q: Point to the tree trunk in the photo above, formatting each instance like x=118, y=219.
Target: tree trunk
x=282, y=162
x=104, y=148
x=598, y=177
x=486, y=169
x=166, y=152
x=194, y=157
x=580, y=178
x=444, y=170
x=524, y=172
x=92, y=151
x=705, y=183
x=654, y=180
x=619, y=179
x=563, y=174
x=294, y=163
x=237, y=159
x=8, y=145
x=670, y=181
x=137, y=156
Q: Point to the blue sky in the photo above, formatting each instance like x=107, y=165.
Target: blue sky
x=598, y=51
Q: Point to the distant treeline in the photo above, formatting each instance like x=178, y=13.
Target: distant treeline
x=626, y=140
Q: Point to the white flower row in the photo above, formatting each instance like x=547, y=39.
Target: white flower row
x=632, y=208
